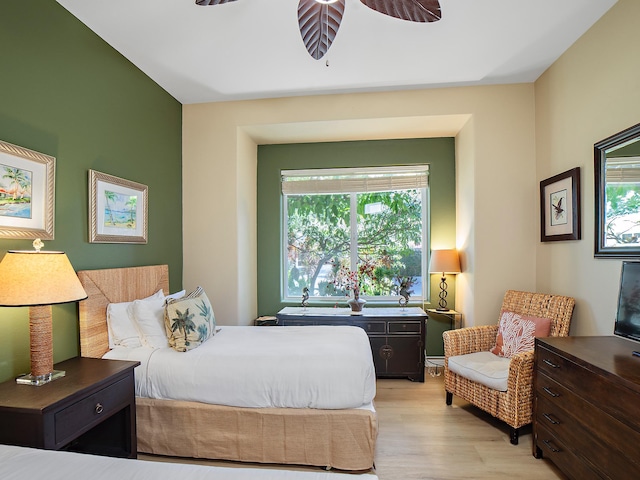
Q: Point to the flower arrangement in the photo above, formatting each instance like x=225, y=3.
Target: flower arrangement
x=353, y=281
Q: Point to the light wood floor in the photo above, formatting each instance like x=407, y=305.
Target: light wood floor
x=423, y=438
x=420, y=437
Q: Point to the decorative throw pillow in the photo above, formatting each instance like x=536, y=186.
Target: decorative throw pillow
x=189, y=321
x=516, y=333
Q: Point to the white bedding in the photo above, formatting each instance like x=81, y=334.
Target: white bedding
x=324, y=367
x=19, y=463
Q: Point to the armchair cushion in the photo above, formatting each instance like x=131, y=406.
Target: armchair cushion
x=482, y=367
x=516, y=333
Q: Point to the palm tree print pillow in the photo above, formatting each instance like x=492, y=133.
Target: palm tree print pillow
x=189, y=320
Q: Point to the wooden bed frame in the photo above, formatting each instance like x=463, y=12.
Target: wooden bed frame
x=341, y=439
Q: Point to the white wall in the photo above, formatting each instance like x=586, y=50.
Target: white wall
x=590, y=93
x=497, y=204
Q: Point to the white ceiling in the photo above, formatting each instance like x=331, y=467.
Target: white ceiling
x=252, y=49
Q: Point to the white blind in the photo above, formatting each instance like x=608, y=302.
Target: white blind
x=345, y=180
x=623, y=170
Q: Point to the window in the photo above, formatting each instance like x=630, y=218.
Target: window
x=371, y=221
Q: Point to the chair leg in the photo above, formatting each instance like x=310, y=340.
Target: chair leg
x=449, y=398
x=514, y=436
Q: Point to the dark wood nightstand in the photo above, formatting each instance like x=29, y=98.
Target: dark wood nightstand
x=91, y=409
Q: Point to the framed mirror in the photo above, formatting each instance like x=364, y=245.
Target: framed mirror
x=617, y=195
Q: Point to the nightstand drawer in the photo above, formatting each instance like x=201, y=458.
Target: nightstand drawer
x=405, y=327
x=92, y=410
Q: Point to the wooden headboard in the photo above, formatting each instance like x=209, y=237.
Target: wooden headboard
x=113, y=285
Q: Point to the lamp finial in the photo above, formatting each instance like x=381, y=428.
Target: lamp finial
x=38, y=244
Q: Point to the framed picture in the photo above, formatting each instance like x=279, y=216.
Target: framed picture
x=27, y=193
x=560, y=207
x=117, y=209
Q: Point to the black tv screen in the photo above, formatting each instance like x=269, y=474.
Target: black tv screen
x=628, y=315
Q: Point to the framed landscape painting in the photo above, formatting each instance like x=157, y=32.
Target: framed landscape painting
x=117, y=209
x=27, y=193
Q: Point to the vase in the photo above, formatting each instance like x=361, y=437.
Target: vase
x=356, y=303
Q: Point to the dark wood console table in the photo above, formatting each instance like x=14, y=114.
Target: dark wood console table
x=587, y=392
x=397, y=335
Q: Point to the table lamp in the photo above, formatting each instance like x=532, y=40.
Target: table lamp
x=443, y=262
x=38, y=279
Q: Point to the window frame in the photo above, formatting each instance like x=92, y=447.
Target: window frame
x=422, y=296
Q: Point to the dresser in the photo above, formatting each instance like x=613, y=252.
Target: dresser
x=587, y=406
x=397, y=335
x=91, y=409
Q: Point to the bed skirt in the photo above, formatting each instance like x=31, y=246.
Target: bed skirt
x=341, y=439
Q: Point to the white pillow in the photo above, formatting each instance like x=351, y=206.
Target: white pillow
x=175, y=296
x=122, y=330
x=148, y=316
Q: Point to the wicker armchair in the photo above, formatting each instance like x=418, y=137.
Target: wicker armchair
x=514, y=407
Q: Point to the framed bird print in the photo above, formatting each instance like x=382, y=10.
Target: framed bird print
x=560, y=207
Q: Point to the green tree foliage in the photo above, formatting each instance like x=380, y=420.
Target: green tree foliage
x=622, y=200
x=319, y=239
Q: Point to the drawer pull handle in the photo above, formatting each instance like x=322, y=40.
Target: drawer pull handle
x=99, y=408
x=550, y=418
x=550, y=363
x=551, y=392
x=550, y=446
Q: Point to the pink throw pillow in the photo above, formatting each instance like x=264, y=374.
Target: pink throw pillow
x=516, y=333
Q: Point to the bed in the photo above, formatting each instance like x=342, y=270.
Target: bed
x=340, y=438
x=19, y=463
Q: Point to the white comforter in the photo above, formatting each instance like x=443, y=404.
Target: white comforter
x=323, y=367
x=19, y=463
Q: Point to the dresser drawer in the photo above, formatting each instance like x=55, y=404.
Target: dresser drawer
x=556, y=451
x=547, y=387
x=601, y=390
x=296, y=323
x=573, y=419
x=554, y=365
x=372, y=327
x=595, y=447
x=92, y=410
x=405, y=327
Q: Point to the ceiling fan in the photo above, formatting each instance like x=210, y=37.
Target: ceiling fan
x=319, y=20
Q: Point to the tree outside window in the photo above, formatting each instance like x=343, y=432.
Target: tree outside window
x=379, y=235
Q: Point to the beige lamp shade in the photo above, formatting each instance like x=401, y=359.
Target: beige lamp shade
x=38, y=280
x=444, y=261
x=30, y=278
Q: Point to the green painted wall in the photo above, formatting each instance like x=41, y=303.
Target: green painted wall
x=66, y=93
x=439, y=153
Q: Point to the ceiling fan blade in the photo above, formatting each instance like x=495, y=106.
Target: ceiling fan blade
x=212, y=2
x=319, y=25
x=412, y=10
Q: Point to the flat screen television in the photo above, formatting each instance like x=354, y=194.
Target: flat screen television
x=628, y=314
